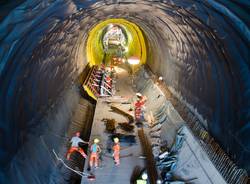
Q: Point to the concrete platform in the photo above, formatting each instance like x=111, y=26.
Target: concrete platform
x=109, y=173
x=193, y=161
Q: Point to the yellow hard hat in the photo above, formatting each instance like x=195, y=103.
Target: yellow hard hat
x=116, y=140
x=96, y=140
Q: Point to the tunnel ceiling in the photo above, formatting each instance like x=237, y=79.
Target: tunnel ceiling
x=201, y=48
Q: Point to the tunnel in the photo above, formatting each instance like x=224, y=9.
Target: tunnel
x=200, y=48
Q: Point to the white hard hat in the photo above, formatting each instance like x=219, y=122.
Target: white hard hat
x=138, y=94
x=144, y=176
x=116, y=140
x=158, y=182
x=96, y=140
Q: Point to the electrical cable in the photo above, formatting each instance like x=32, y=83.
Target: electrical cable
x=83, y=174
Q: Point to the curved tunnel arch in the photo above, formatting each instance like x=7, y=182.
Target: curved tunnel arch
x=198, y=47
x=136, y=45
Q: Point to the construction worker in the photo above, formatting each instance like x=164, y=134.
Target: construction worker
x=116, y=150
x=138, y=111
x=75, y=146
x=141, y=98
x=159, y=80
x=95, y=151
x=140, y=107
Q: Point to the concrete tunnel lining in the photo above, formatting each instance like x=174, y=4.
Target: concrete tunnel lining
x=201, y=53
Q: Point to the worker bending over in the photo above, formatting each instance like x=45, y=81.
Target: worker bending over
x=75, y=146
x=116, y=150
x=95, y=151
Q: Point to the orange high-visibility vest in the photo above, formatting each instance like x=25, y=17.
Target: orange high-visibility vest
x=116, y=148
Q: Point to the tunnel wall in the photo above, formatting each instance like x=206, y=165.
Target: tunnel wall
x=40, y=62
x=200, y=48
x=208, y=67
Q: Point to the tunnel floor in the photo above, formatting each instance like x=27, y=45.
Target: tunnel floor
x=108, y=172
x=193, y=162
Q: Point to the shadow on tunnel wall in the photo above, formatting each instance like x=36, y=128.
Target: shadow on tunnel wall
x=201, y=48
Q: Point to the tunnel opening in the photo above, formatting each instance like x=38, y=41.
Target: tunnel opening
x=128, y=41
x=110, y=43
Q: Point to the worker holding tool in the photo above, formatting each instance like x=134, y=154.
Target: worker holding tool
x=116, y=150
x=95, y=151
x=75, y=146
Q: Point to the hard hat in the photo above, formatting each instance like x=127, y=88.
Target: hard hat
x=144, y=176
x=158, y=181
x=139, y=94
x=78, y=134
x=116, y=140
x=96, y=140
x=160, y=78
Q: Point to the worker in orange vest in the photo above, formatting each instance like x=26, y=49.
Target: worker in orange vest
x=138, y=110
x=140, y=107
x=95, y=151
x=141, y=98
x=75, y=146
x=116, y=150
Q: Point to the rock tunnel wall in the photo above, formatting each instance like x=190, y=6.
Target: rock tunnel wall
x=201, y=48
x=207, y=66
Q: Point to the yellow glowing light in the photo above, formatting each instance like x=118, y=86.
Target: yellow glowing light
x=136, y=47
x=133, y=61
